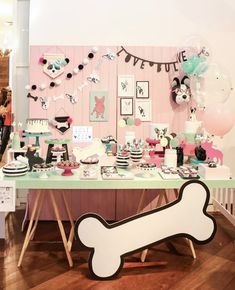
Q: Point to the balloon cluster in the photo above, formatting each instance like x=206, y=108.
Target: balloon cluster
x=210, y=86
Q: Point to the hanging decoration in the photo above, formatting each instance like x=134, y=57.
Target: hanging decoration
x=60, y=97
x=93, y=78
x=62, y=121
x=167, y=66
x=53, y=64
x=129, y=122
x=72, y=98
x=110, y=55
x=35, y=98
x=180, y=90
x=45, y=101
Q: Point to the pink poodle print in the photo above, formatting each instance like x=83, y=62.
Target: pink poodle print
x=99, y=106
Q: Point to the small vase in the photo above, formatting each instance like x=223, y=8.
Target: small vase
x=16, y=141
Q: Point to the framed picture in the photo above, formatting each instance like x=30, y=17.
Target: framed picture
x=126, y=86
x=142, y=89
x=143, y=110
x=98, y=106
x=126, y=106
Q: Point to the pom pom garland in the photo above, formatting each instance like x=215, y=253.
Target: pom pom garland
x=85, y=61
x=90, y=55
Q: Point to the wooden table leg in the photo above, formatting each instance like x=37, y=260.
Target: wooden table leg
x=159, y=203
x=61, y=228
x=29, y=230
x=40, y=203
x=141, y=201
x=71, y=233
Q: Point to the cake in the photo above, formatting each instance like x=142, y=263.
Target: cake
x=15, y=168
x=122, y=160
x=136, y=154
x=37, y=126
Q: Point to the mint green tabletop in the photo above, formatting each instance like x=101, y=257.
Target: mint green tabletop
x=56, y=181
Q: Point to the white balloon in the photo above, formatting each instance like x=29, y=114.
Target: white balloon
x=75, y=70
x=213, y=86
x=27, y=87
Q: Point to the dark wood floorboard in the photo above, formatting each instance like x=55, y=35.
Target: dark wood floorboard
x=45, y=265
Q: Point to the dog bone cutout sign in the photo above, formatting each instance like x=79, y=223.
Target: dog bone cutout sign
x=110, y=243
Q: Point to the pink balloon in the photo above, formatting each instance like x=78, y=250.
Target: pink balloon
x=218, y=119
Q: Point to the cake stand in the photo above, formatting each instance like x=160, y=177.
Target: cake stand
x=67, y=169
x=37, y=136
x=58, y=154
x=51, y=143
x=43, y=171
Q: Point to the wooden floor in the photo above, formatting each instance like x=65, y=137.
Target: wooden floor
x=45, y=265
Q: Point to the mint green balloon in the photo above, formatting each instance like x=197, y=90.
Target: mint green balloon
x=190, y=65
x=201, y=67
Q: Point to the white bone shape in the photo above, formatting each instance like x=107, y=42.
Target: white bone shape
x=184, y=217
x=60, y=97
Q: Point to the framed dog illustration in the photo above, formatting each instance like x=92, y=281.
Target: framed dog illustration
x=126, y=106
x=126, y=86
x=142, y=89
x=99, y=106
x=143, y=110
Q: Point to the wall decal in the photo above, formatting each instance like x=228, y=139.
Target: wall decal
x=72, y=98
x=143, y=110
x=167, y=66
x=35, y=98
x=45, y=101
x=93, y=78
x=110, y=243
x=60, y=97
x=83, y=85
x=99, y=106
x=142, y=89
x=110, y=55
x=126, y=86
x=126, y=106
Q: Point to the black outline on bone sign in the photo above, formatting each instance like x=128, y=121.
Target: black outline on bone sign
x=116, y=224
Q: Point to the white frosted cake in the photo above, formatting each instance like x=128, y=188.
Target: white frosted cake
x=192, y=126
x=37, y=126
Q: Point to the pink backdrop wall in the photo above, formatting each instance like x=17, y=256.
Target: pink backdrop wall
x=115, y=204
x=163, y=109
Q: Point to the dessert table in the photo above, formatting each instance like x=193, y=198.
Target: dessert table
x=56, y=181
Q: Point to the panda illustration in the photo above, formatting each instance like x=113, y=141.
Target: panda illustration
x=180, y=92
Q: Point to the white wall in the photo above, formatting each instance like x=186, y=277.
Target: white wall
x=20, y=59
x=149, y=22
